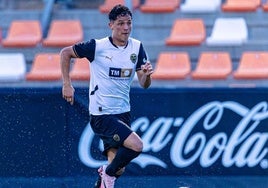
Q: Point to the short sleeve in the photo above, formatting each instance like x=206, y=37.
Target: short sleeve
x=85, y=49
x=142, y=58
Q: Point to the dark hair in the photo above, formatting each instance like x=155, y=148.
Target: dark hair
x=119, y=10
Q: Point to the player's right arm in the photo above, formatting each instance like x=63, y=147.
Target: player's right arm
x=79, y=50
x=66, y=55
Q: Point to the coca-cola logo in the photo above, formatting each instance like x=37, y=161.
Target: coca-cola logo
x=244, y=146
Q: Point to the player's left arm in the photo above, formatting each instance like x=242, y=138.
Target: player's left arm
x=144, y=68
x=144, y=75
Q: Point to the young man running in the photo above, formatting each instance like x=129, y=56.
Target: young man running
x=113, y=63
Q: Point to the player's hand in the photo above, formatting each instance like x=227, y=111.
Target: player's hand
x=68, y=93
x=147, y=68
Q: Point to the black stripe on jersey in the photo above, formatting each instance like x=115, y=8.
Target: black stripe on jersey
x=95, y=89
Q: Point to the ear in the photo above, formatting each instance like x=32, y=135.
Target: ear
x=110, y=25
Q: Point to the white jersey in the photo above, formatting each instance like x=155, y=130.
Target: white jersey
x=112, y=70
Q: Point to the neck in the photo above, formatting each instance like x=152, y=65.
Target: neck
x=117, y=42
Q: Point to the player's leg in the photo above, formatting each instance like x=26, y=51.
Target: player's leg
x=110, y=156
x=133, y=142
x=117, y=134
x=118, y=160
x=131, y=148
x=106, y=127
x=111, y=153
x=130, y=145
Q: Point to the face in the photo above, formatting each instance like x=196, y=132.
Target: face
x=121, y=29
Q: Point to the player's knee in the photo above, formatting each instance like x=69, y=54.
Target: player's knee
x=134, y=143
x=139, y=146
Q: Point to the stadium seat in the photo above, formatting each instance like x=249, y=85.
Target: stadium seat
x=59, y=37
x=23, y=33
x=213, y=65
x=197, y=6
x=80, y=70
x=252, y=65
x=187, y=32
x=240, y=5
x=12, y=67
x=228, y=32
x=172, y=65
x=45, y=67
x=159, y=6
x=265, y=6
x=109, y=4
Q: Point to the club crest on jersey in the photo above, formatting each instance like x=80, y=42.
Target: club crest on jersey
x=133, y=58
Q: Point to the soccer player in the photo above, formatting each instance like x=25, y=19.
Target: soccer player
x=113, y=63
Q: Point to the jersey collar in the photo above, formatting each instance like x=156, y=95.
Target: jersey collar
x=111, y=40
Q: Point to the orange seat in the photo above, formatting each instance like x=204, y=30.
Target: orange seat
x=252, y=65
x=159, y=6
x=172, y=65
x=213, y=65
x=187, y=32
x=241, y=5
x=23, y=33
x=265, y=6
x=80, y=69
x=109, y=4
x=45, y=67
x=60, y=37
